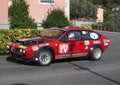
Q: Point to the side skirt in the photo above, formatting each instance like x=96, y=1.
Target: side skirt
x=70, y=55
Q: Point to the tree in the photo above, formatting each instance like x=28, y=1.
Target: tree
x=112, y=19
x=19, y=15
x=108, y=4
x=56, y=18
x=82, y=9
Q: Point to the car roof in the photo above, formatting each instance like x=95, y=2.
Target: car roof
x=75, y=28
x=69, y=28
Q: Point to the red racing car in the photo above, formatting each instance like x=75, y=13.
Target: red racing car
x=58, y=43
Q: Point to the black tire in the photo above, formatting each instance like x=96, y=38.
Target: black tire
x=95, y=54
x=45, y=58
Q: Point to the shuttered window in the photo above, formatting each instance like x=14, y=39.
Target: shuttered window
x=47, y=1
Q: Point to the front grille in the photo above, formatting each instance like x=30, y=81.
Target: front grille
x=13, y=49
x=17, y=49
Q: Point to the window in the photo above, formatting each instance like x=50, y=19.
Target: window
x=76, y=35
x=47, y=2
x=89, y=35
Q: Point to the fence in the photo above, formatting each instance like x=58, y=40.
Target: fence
x=4, y=25
x=82, y=23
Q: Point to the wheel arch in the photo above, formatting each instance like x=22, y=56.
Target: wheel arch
x=96, y=45
x=90, y=53
x=42, y=49
x=48, y=48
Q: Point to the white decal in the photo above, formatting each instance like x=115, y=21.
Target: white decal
x=56, y=44
x=35, y=48
x=84, y=32
x=86, y=42
x=63, y=48
x=94, y=35
x=96, y=42
x=86, y=47
x=106, y=44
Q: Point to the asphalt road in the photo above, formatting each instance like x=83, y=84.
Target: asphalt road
x=66, y=72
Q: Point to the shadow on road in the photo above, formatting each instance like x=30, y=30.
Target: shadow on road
x=87, y=69
x=71, y=59
x=14, y=60
x=21, y=62
x=19, y=84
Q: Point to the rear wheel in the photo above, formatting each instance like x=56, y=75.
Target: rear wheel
x=45, y=58
x=96, y=54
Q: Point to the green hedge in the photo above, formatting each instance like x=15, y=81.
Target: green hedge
x=7, y=36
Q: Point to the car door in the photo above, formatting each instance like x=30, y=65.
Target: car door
x=71, y=43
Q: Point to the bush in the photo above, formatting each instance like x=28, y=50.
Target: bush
x=56, y=18
x=7, y=36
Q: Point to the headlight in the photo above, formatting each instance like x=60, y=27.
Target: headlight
x=24, y=51
x=20, y=50
x=12, y=49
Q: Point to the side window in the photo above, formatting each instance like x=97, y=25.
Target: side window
x=85, y=35
x=89, y=35
x=72, y=35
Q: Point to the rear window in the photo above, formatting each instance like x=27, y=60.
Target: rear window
x=90, y=35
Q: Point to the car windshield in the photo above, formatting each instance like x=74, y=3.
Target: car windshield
x=52, y=33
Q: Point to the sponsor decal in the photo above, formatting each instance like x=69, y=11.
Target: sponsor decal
x=63, y=48
x=94, y=35
x=86, y=42
x=96, y=42
x=35, y=48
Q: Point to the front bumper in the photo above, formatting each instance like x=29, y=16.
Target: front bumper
x=21, y=57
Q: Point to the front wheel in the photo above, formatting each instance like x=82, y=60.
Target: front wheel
x=96, y=54
x=45, y=58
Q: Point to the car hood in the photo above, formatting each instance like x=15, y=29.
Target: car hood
x=31, y=41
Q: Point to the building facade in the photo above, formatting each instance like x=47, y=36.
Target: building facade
x=38, y=10
x=100, y=14
x=4, y=14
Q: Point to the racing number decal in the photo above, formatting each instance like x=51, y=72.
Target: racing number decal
x=63, y=48
x=94, y=35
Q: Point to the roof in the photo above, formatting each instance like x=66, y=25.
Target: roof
x=75, y=28
x=68, y=28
